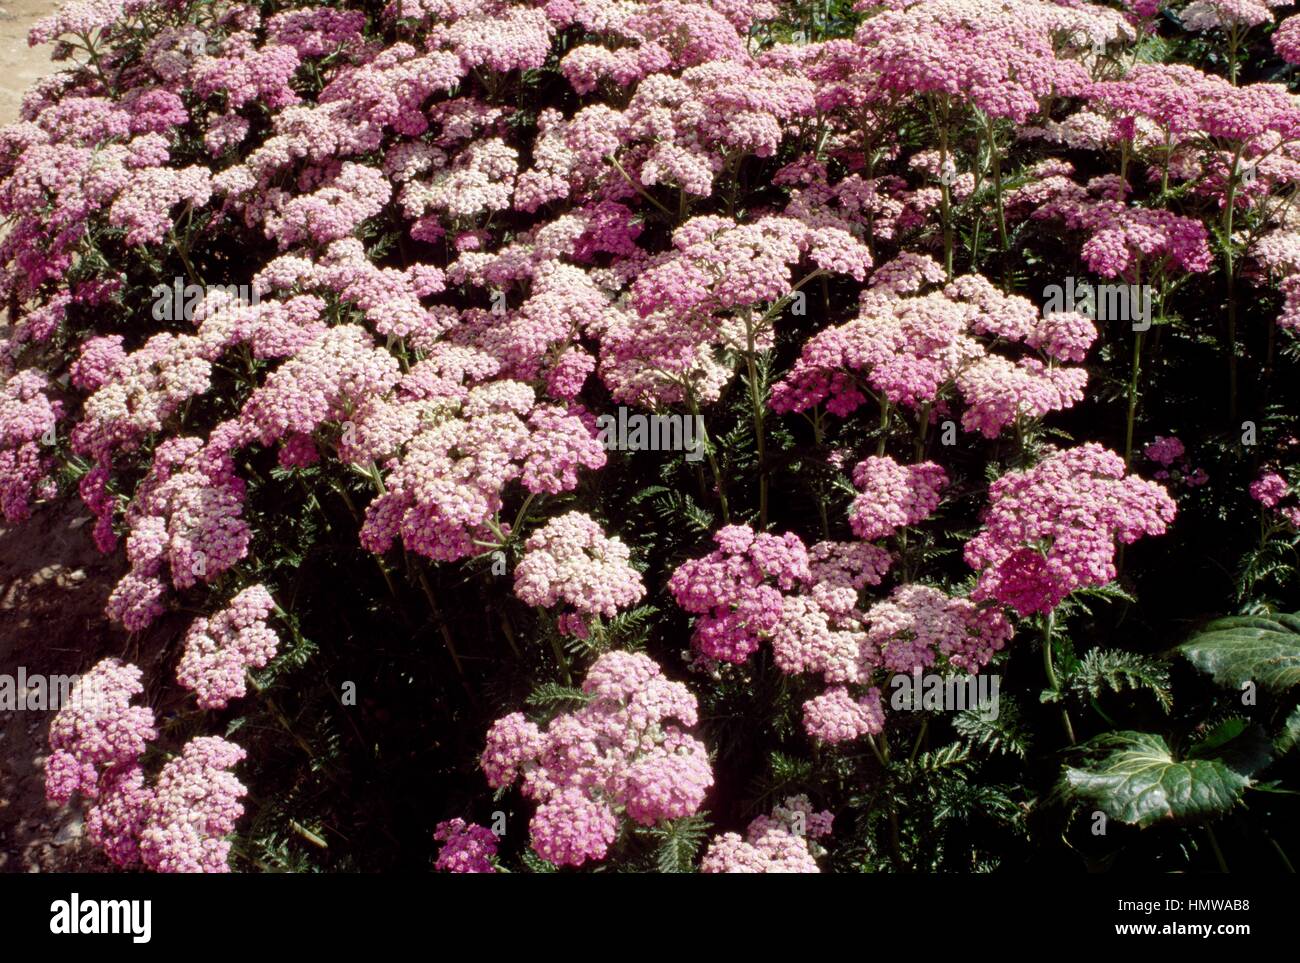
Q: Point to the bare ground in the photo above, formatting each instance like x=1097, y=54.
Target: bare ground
x=20, y=64
x=53, y=584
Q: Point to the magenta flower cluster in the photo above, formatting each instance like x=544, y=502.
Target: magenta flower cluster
x=806, y=603
x=914, y=349
x=466, y=847
x=1053, y=528
x=893, y=496
x=736, y=590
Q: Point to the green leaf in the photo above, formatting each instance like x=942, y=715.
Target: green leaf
x=1116, y=670
x=1220, y=735
x=1260, y=649
x=679, y=843
x=552, y=695
x=535, y=863
x=1004, y=734
x=1289, y=737
x=1139, y=782
x=1239, y=744
x=952, y=754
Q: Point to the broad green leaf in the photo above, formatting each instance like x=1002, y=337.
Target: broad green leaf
x=1242, y=746
x=1220, y=735
x=1289, y=737
x=1258, y=649
x=1141, y=783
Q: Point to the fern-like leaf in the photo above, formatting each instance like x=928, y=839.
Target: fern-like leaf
x=1003, y=734
x=1117, y=671
x=680, y=842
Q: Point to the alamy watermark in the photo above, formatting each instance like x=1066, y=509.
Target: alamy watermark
x=180, y=301
x=954, y=693
x=22, y=691
x=75, y=916
x=1130, y=303
x=633, y=431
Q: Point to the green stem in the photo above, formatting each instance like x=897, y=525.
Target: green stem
x=693, y=403
x=521, y=515
x=508, y=631
x=756, y=406
x=1234, y=42
x=920, y=736
x=1281, y=853
x=1218, y=853
x=182, y=250
x=1169, y=153
x=1230, y=277
x=895, y=846
x=280, y=716
x=637, y=187
x=437, y=617
x=1050, y=670
x=1132, y=399
x=996, y=157
x=945, y=205
x=561, y=658
x=871, y=741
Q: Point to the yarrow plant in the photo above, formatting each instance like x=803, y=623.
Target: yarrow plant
x=466, y=848
x=175, y=824
x=219, y=651
x=623, y=753
x=1054, y=528
x=315, y=313
x=781, y=843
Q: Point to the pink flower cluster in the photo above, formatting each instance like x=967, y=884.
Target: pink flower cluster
x=893, y=496
x=912, y=349
x=570, y=560
x=836, y=716
x=709, y=294
x=784, y=842
x=1286, y=40
x=619, y=754
x=1052, y=528
x=1271, y=489
x=917, y=623
x=195, y=805
x=757, y=587
x=450, y=481
x=824, y=632
x=1171, y=455
x=27, y=421
x=466, y=847
x=997, y=56
x=186, y=517
x=1164, y=450
x=178, y=824
x=1122, y=237
x=220, y=650
x=736, y=590
x=98, y=732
